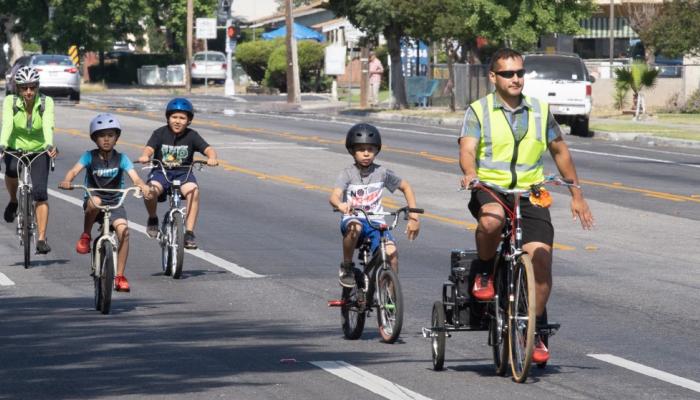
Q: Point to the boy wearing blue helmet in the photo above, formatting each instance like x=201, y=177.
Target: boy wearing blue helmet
x=105, y=168
x=175, y=144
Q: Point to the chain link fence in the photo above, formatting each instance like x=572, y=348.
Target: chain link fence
x=471, y=83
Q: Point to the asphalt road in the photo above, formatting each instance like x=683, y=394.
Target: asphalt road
x=625, y=293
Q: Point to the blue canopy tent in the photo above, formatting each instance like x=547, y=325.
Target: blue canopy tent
x=301, y=32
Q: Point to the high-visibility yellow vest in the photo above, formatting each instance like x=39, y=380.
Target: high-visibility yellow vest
x=502, y=160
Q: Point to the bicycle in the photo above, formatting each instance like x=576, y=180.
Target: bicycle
x=510, y=316
x=26, y=215
x=377, y=285
x=104, y=247
x=171, y=235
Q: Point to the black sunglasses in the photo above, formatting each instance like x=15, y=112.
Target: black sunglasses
x=25, y=87
x=509, y=74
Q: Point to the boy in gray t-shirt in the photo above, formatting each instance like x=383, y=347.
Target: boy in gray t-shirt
x=361, y=185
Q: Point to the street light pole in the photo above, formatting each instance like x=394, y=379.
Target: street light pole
x=612, y=33
x=188, y=59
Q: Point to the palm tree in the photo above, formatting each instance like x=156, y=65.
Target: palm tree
x=635, y=78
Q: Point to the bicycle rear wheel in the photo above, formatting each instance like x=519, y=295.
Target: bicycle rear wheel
x=390, y=306
x=498, y=325
x=178, y=242
x=521, y=325
x=437, y=337
x=352, y=312
x=25, y=221
x=105, y=283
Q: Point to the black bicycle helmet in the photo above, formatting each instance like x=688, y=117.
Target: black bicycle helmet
x=363, y=134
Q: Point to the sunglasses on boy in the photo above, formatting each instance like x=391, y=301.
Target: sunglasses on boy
x=509, y=74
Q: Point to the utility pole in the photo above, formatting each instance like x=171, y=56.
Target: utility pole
x=188, y=60
x=293, y=92
x=612, y=35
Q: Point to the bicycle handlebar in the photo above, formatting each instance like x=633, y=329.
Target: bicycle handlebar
x=125, y=192
x=396, y=214
x=21, y=154
x=548, y=180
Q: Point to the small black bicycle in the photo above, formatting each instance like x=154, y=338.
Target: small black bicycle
x=377, y=285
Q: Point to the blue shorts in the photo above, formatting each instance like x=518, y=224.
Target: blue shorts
x=368, y=232
x=157, y=176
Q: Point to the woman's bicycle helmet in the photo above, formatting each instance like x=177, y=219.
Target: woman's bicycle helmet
x=179, y=104
x=102, y=122
x=363, y=134
x=26, y=76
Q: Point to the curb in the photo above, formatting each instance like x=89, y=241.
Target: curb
x=647, y=139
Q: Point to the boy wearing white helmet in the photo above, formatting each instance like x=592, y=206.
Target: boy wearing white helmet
x=105, y=168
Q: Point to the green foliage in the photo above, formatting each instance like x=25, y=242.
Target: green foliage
x=636, y=77
x=310, y=55
x=254, y=56
x=692, y=105
x=677, y=29
x=620, y=96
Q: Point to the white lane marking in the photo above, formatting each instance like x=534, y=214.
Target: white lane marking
x=675, y=153
x=5, y=281
x=648, y=371
x=270, y=147
x=219, y=262
x=371, y=382
x=599, y=153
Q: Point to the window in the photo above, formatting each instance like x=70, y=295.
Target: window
x=555, y=68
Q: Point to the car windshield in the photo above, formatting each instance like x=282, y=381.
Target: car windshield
x=216, y=57
x=52, y=60
x=554, y=68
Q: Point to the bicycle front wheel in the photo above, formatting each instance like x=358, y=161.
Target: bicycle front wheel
x=437, y=335
x=498, y=326
x=390, y=306
x=165, y=246
x=25, y=221
x=178, y=244
x=105, y=282
x=521, y=325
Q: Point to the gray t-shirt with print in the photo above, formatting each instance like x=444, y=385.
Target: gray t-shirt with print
x=364, y=190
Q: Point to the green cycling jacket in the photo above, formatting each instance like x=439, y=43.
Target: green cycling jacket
x=16, y=132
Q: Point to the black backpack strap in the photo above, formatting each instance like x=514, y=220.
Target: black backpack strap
x=15, y=109
x=41, y=105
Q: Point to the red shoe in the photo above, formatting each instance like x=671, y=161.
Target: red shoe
x=483, y=287
x=540, y=355
x=83, y=245
x=121, y=284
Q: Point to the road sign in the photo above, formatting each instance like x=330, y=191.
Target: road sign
x=206, y=28
x=73, y=53
x=335, y=60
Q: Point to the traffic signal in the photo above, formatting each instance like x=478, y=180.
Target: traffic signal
x=231, y=32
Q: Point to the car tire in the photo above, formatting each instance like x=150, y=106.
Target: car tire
x=75, y=96
x=579, y=127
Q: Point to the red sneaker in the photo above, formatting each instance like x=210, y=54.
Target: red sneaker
x=483, y=287
x=121, y=284
x=83, y=245
x=540, y=354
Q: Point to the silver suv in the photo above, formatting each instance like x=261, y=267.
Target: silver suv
x=563, y=81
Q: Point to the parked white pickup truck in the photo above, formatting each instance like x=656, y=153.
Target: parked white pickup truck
x=561, y=80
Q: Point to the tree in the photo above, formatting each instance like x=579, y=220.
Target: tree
x=641, y=17
x=636, y=77
x=387, y=17
x=676, y=31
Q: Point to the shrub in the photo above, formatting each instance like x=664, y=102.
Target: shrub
x=311, y=55
x=692, y=105
x=254, y=56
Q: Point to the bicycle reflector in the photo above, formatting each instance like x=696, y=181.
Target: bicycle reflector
x=540, y=197
x=336, y=303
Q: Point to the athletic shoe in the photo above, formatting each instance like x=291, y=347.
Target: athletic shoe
x=346, y=276
x=10, y=212
x=42, y=247
x=121, y=284
x=83, y=245
x=540, y=354
x=190, y=242
x=152, y=227
x=483, y=287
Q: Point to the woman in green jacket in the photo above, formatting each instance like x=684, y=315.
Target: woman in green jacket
x=27, y=124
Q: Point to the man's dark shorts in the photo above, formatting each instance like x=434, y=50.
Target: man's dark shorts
x=536, y=221
x=115, y=214
x=157, y=176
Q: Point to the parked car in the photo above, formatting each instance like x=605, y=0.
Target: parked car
x=210, y=65
x=563, y=81
x=57, y=73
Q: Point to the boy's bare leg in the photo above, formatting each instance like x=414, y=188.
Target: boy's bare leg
x=122, y=229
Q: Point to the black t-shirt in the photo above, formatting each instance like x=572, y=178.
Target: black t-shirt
x=177, y=149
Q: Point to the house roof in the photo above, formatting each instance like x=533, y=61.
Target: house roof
x=313, y=8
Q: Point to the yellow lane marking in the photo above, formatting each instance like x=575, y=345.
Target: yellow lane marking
x=647, y=192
